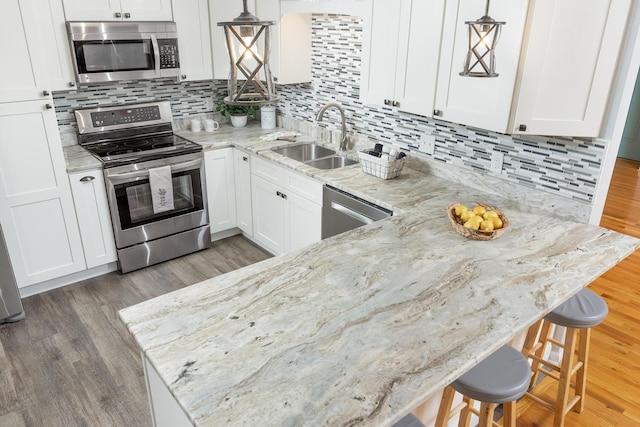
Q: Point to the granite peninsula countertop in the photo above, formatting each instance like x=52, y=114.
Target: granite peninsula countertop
x=361, y=328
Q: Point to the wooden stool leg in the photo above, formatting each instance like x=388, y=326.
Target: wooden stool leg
x=486, y=414
x=581, y=374
x=530, y=339
x=444, y=412
x=565, y=377
x=465, y=414
x=509, y=414
x=539, y=352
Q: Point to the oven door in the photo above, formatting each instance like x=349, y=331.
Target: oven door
x=132, y=213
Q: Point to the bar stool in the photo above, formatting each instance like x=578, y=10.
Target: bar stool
x=503, y=378
x=409, y=420
x=578, y=315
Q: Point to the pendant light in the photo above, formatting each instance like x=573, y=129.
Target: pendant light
x=247, y=36
x=483, y=38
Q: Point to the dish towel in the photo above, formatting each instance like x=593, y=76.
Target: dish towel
x=161, y=189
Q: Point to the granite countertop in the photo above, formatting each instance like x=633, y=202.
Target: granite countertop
x=361, y=328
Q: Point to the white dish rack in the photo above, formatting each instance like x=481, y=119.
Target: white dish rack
x=380, y=167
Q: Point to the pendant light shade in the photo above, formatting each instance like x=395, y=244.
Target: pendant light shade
x=248, y=42
x=483, y=38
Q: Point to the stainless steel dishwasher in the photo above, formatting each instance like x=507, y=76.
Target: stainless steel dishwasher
x=342, y=212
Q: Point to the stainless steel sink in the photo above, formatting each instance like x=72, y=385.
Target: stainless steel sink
x=331, y=162
x=315, y=155
x=305, y=152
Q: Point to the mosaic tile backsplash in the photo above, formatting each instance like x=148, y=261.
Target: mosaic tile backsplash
x=562, y=166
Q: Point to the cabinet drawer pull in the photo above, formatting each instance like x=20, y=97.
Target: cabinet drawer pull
x=88, y=178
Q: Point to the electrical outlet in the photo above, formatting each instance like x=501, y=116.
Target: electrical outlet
x=428, y=144
x=496, y=162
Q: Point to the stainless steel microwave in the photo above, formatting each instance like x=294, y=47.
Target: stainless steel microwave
x=110, y=51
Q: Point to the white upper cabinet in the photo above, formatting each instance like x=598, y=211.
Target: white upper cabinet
x=24, y=75
x=569, y=63
x=290, y=54
x=400, y=54
x=192, y=21
x=53, y=32
x=290, y=43
x=483, y=102
x=118, y=10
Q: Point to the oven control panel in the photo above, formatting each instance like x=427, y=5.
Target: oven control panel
x=125, y=116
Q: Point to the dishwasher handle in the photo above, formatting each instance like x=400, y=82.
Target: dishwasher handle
x=350, y=212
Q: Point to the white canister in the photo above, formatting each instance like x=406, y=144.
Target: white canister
x=196, y=126
x=268, y=117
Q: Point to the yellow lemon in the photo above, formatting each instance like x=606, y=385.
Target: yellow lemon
x=497, y=223
x=490, y=214
x=474, y=225
x=486, y=225
x=466, y=215
x=479, y=210
x=460, y=209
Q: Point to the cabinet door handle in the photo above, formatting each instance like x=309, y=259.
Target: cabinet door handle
x=87, y=178
x=245, y=158
x=387, y=102
x=284, y=196
x=72, y=84
x=395, y=103
x=45, y=93
x=279, y=194
x=522, y=128
x=184, y=76
x=118, y=15
x=127, y=15
x=48, y=106
x=437, y=112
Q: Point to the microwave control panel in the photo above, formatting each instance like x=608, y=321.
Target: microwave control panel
x=168, y=53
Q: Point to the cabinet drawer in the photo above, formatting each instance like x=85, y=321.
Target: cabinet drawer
x=267, y=170
x=303, y=186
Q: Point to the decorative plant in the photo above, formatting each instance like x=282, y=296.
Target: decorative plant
x=236, y=110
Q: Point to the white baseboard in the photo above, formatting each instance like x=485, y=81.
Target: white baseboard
x=67, y=280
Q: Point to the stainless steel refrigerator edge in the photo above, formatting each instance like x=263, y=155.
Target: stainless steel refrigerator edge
x=10, y=303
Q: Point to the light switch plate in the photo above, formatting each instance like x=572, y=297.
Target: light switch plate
x=428, y=144
x=496, y=162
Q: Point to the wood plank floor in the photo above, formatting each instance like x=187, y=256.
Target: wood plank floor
x=613, y=385
x=71, y=362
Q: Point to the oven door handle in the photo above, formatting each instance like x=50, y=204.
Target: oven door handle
x=144, y=173
x=156, y=53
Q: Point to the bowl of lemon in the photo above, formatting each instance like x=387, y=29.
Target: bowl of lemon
x=477, y=221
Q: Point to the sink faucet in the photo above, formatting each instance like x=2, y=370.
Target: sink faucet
x=343, y=137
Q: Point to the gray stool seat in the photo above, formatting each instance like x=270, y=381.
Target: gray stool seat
x=502, y=377
x=409, y=420
x=583, y=310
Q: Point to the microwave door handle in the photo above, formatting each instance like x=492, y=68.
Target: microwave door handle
x=156, y=53
x=143, y=173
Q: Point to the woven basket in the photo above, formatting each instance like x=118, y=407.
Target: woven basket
x=382, y=168
x=459, y=228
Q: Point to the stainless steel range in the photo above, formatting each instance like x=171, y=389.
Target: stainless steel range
x=155, y=181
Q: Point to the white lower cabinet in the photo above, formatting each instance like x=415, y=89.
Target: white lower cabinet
x=242, y=174
x=94, y=220
x=165, y=410
x=36, y=206
x=221, y=192
x=287, y=207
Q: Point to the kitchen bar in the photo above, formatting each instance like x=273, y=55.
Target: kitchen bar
x=363, y=327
